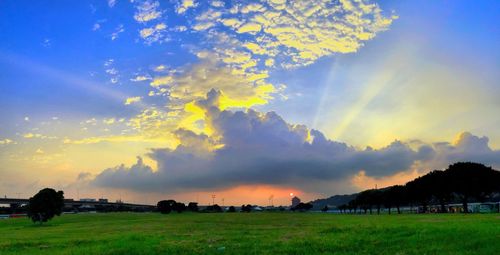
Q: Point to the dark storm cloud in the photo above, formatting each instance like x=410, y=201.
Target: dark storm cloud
x=264, y=149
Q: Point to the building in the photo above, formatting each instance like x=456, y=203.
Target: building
x=295, y=201
x=87, y=200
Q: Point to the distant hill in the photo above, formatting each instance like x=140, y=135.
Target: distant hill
x=333, y=201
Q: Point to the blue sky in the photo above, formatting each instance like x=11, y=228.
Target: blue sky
x=110, y=80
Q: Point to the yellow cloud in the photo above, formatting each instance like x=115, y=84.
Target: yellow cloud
x=298, y=32
x=251, y=28
x=6, y=141
x=185, y=5
x=132, y=100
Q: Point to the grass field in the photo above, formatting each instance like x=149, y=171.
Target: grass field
x=253, y=233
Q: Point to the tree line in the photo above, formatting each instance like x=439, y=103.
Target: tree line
x=463, y=182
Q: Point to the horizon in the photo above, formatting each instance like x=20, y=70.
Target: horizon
x=147, y=100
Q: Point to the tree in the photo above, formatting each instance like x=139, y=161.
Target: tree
x=193, y=207
x=420, y=191
x=397, y=195
x=165, y=206
x=324, y=209
x=231, y=209
x=302, y=207
x=439, y=185
x=45, y=205
x=179, y=207
x=213, y=208
x=472, y=180
x=246, y=208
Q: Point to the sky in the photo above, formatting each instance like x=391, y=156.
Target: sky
x=250, y=101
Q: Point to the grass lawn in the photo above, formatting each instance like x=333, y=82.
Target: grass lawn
x=253, y=233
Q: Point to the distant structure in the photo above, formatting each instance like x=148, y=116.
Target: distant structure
x=295, y=201
x=87, y=200
x=103, y=200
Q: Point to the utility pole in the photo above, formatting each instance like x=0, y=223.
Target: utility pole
x=213, y=199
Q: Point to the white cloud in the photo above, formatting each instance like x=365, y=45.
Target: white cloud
x=147, y=11
x=141, y=78
x=96, y=27
x=118, y=30
x=111, y=3
x=154, y=34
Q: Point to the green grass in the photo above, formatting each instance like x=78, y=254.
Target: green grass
x=253, y=233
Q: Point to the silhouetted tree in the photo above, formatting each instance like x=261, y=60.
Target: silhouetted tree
x=246, y=208
x=464, y=180
x=179, y=207
x=45, y=205
x=302, y=207
x=396, y=195
x=214, y=208
x=166, y=206
x=324, y=209
x=420, y=191
x=440, y=188
x=472, y=180
x=193, y=207
x=231, y=209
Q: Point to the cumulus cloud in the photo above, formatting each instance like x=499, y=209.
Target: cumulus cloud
x=249, y=147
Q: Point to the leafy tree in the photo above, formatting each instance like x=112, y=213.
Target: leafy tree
x=246, y=208
x=231, y=209
x=397, y=196
x=193, y=207
x=440, y=188
x=179, y=207
x=166, y=206
x=420, y=191
x=214, y=208
x=302, y=207
x=45, y=205
x=472, y=180
x=342, y=208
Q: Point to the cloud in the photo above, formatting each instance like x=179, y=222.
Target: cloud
x=40, y=136
x=467, y=147
x=111, y=3
x=184, y=5
x=253, y=148
x=6, y=141
x=297, y=33
x=141, y=78
x=132, y=100
x=154, y=34
x=118, y=30
x=147, y=11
